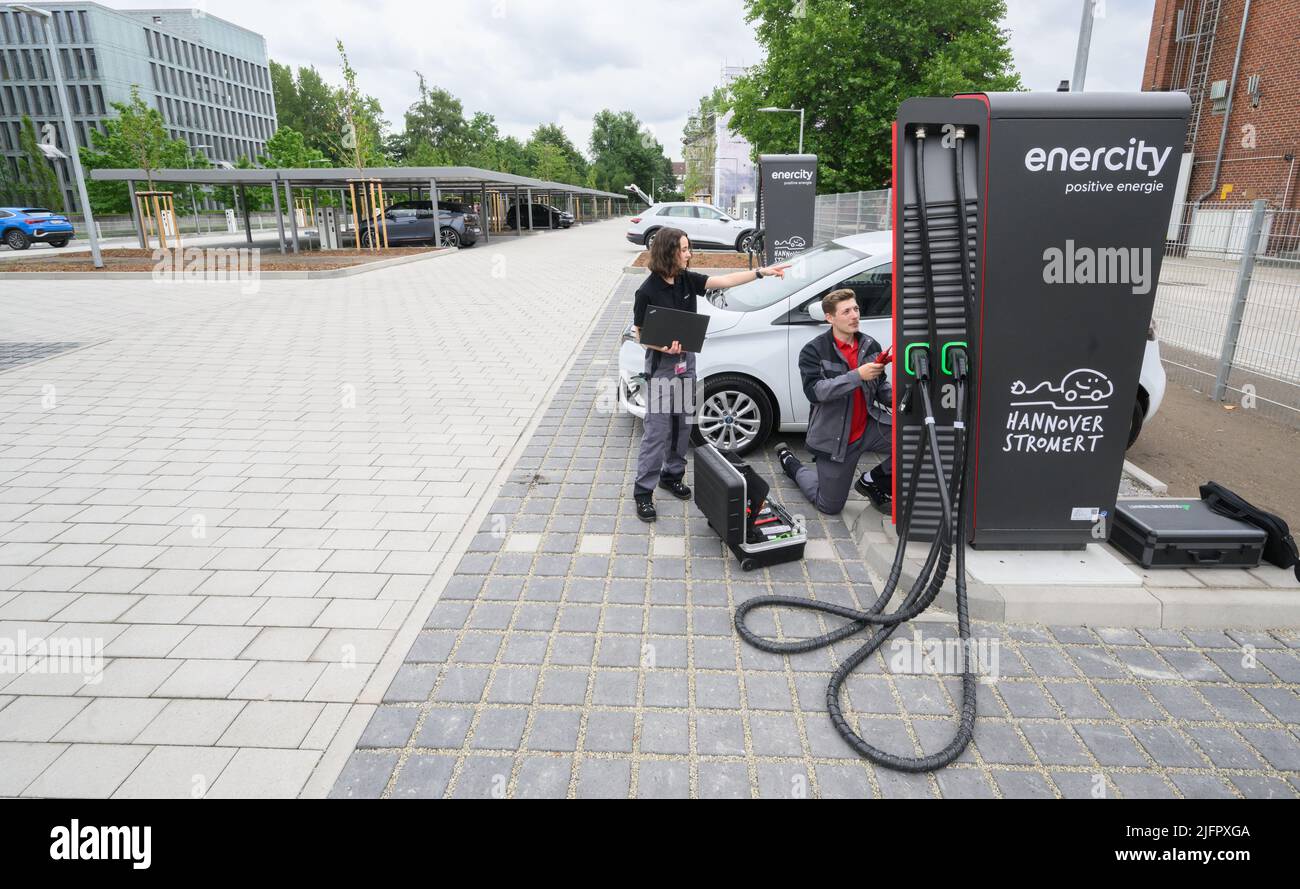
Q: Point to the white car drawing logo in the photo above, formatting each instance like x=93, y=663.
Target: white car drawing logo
x=1081, y=385
x=794, y=242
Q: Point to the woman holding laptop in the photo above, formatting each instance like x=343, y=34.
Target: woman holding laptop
x=670, y=370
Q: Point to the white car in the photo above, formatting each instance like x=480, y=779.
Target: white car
x=705, y=225
x=749, y=369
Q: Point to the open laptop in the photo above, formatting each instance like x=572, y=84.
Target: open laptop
x=662, y=326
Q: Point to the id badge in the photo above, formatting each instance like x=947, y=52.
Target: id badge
x=679, y=368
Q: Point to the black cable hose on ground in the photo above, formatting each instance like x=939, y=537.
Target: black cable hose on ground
x=929, y=580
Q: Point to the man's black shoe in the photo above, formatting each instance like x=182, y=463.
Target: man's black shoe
x=879, y=497
x=645, y=508
x=676, y=488
x=783, y=456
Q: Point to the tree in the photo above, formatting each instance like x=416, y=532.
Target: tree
x=435, y=127
x=39, y=181
x=850, y=63
x=135, y=139
x=360, y=141
x=621, y=153
x=288, y=148
x=307, y=104
x=551, y=152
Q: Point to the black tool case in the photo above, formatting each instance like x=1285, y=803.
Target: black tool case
x=722, y=493
x=1170, y=533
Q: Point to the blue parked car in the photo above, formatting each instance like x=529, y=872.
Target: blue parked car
x=20, y=226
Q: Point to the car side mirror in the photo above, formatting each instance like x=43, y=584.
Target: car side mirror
x=815, y=312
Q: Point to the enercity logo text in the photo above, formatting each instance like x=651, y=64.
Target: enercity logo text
x=1098, y=265
x=788, y=175
x=1134, y=156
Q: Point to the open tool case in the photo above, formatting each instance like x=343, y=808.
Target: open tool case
x=734, y=498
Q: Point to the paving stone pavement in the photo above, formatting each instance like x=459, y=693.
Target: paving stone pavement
x=577, y=652
x=233, y=504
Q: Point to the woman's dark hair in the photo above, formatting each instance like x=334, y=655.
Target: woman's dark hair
x=663, y=251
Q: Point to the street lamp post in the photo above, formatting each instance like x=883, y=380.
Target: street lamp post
x=45, y=15
x=189, y=153
x=773, y=109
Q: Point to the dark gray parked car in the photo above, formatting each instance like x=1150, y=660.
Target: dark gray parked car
x=411, y=222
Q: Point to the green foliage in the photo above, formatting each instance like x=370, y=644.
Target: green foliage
x=134, y=139
x=307, y=104
x=850, y=63
x=623, y=154
x=360, y=135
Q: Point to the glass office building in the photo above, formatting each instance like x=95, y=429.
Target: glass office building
x=208, y=78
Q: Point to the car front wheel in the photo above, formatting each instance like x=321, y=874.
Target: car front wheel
x=735, y=415
x=742, y=244
x=17, y=240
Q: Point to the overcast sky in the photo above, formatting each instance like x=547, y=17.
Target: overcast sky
x=560, y=61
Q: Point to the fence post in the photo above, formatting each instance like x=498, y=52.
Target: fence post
x=1244, y=272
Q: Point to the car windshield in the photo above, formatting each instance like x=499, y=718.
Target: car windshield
x=804, y=269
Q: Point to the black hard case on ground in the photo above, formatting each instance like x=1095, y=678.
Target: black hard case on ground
x=1170, y=533
x=721, y=494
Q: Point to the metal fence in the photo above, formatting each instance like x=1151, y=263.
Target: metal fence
x=837, y=215
x=120, y=226
x=1227, y=308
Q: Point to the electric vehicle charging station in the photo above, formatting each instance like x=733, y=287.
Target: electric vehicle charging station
x=1028, y=235
x=1067, y=198
x=787, y=203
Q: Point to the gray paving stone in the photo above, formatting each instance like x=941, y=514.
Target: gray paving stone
x=964, y=784
x=424, y=776
x=1182, y=702
x=1202, y=786
x=1054, y=744
x=412, y=683
x=1025, y=699
x=365, y=776
x=717, y=691
x=784, y=781
x=1223, y=747
x=389, y=727
x=1168, y=747
x=604, y=779
x=1129, y=701
x=555, y=730
x=1111, y=745
x=843, y=781
x=1279, y=747
x=543, y=777
x=499, y=729
x=1262, y=787
x=445, y=728
x=609, y=731
x=483, y=777
x=1142, y=786
x=1022, y=785
x=666, y=689
x=720, y=734
x=723, y=780
x=998, y=742
x=1077, y=700
x=615, y=688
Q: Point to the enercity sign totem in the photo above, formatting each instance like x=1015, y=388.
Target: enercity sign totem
x=788, y=193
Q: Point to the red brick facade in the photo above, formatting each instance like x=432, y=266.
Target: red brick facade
x=1259, y=138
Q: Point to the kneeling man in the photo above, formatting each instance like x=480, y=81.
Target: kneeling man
x=850, y=396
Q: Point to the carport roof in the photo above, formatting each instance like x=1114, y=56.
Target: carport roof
x=447, y=178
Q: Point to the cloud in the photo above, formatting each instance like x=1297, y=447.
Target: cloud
x=528, y=62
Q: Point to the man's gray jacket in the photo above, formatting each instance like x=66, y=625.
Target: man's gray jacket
x=829, y=384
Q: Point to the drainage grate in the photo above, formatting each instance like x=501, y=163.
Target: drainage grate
x=17, y=354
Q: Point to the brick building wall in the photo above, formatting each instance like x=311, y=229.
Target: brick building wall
x=1260, y=137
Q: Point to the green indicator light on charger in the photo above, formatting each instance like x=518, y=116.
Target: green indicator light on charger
x=943, y=356
x=907, y=356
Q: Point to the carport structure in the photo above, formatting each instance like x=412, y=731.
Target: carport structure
x=496, y=191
